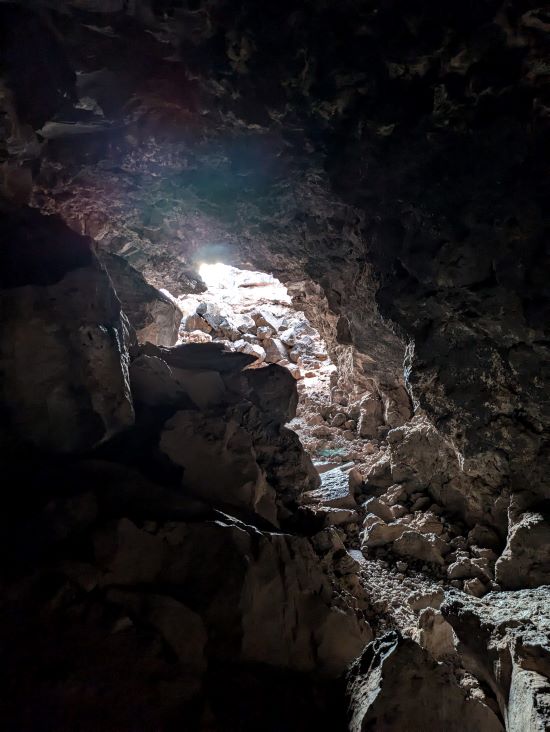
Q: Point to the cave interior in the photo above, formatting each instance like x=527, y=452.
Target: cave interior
x=275, y=365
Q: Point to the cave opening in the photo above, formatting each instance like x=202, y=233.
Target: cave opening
x=252, y=312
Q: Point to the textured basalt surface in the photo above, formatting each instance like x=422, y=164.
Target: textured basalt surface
x=389, y=163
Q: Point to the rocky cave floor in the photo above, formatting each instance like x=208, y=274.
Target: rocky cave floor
x=274, y=383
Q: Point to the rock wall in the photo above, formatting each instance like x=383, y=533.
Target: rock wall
x=393, y=158
x=154, y=316
x=131, y=587
x=64, y=340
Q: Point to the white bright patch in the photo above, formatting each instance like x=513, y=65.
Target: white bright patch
x=216, y=275
x=242, y=284
x=234, y=295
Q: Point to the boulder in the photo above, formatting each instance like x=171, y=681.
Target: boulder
x=201, y=356
x=245, y=324
x=219, y=462
x=338, y=516
x=263, y=318
x=370, y=417
x=397, y=405
x=465, y=567
x=211, y=313
x=295, y=356
x=192, y=323
x=484, y=536
x=435, y=634
x=420, y=600
x=153, y=382
x=252, y=349
x=299, y=334
x=525, y=561
x=63, y=338
x=334, y=491
x=195, y=336
x=204, y=388
x=273, y=390
x=262, y=598
x=153, y=314
x=295, y=370
x=504, y=639
x=228, y=330
x=424, y=547
x=417, y=454
x=288, y=637
x=379, y=475
x=427, y=522
x=264, y=332
x=474, y=587
x=254, y=464
x=338, y=420
x=378, y=533
x=288, y=467
x=425, y=463
x=396, y=685
x=394, y=495
x=355, y=479
x=274, y=350
x=528, y=701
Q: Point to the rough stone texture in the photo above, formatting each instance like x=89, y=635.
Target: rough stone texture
x=232, y=445
x=153, y=315
x=421, y=460
x=389, y=163
x=334, y=491
x=270, y=618
x=426, y=547
x=505, y=640
x=63, y=339
x=435, y=634
x=193, y=440
x=370, y=418
x=525, y=561
x=113, y=569
x=396, y=685
x=156, y=611
x=529, y=707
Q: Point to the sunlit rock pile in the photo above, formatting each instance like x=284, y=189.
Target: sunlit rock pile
x=172, y=557
x=251, y=312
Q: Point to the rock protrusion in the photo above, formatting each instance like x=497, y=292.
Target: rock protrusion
x=396, y=685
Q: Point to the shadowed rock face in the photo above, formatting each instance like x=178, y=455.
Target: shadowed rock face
x=128, y=578
x=396, y=685
x=152, y=314
x=505, y=638
x=64, y=340
x=388, y=161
